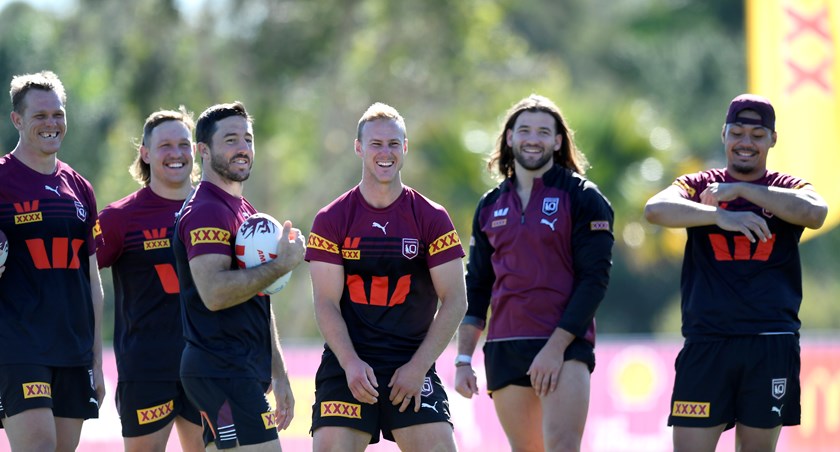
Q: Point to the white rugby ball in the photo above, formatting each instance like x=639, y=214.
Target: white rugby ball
x=256, y=244
x=4, y=248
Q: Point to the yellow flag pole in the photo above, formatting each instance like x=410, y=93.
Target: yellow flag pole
x=794, y=60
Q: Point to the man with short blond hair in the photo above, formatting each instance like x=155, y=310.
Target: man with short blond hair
x=381, y=256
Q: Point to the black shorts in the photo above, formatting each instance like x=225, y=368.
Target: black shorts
x=752, y=380
x=507, y=362
x=335, y=405
x=148, y=406
x=234, y=411
x=68, y=391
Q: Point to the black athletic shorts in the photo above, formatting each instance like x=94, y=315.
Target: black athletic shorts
x=148, y=406
x=751, y=380
x=335, y=405
x=234, y=411
x=507, y=362
x=68, y=391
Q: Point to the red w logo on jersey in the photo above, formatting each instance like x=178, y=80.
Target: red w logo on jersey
x=743, y=248
x=378, y=290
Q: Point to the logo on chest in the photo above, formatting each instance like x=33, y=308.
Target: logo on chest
x=27, y=212
x=155, y=239
x=350, y=250
x=81, y=212
x=549, y=223
x=550, y=206
x=380, y=226
x=410, y=248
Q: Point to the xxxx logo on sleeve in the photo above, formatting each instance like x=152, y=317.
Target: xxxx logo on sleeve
x=690, y=409
x=602, y=225
x=688, y=189
x=37, y=389
x=97, y=229
x=209, y=235
x=155, y=413
x=341, y=409
x=317, y=242
x=444, y=242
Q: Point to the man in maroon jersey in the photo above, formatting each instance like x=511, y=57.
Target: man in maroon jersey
x=741, y=287
x=540, y=259
x=50, y=293
x=232, y=355
x=148, y=338
x=381, y=256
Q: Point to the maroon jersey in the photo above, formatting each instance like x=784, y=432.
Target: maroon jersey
x=148, y=338
x=229, y=343
x=389, y=300
x=540, y=266
x=46, y=313
x=731, y=286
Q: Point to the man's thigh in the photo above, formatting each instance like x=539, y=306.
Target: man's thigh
x=769, y=393
x=434, y=407
x=566, y=408
x=435, y=436
x=67, y=391
x=235, y=411
x=705, y=385
x=146, y=407
x=335, y=406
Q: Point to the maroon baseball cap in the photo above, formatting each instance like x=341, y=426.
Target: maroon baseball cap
x=758, y=104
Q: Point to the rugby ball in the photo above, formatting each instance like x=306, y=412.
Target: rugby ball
x=256, y=244
x=4, y=248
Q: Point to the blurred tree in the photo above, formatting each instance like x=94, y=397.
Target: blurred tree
x=644, y=83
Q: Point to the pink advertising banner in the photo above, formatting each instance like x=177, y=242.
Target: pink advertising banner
x=630, y=398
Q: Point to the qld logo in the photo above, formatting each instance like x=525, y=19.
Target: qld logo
x=410, y=248
x=779, y=387
x=550, y=205
x=81, y=212
x=428, y=388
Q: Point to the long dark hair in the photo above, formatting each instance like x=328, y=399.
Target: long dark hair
x=569, y=156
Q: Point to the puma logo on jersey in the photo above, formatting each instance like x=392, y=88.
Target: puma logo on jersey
x=431, y=407
x=549, y=223
x=777, y=410
x=377, y=225
x=54, y=190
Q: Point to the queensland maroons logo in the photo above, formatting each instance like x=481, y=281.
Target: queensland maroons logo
x=779, y=388
x=550, y=205
x=257, y=225
x=410, y=248
x=81, y=212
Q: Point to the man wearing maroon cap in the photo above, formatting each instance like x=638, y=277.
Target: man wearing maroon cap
x=741, y=287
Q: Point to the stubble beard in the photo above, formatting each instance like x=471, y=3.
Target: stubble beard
x=222, y=168
x=530, y=164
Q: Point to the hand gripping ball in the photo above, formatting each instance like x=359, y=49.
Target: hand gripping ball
x=256, y=244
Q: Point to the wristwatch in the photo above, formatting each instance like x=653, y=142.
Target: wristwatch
x=463, y=360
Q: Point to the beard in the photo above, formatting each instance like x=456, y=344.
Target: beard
x=529, y=163
x=222, y=168
x=743, y=169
